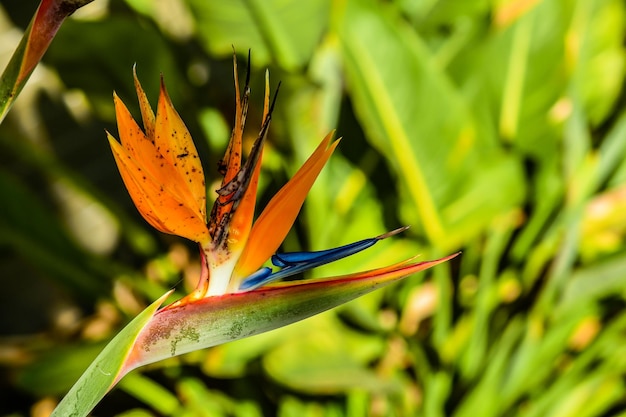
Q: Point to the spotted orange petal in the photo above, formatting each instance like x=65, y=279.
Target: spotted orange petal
x=147, y=115
x=145, y=154
x=156, y=203
x=232, y=157
x=174, y=143
x=241, y=222
x=230, y=166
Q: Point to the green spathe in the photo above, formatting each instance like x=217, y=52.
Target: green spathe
x=157, y=335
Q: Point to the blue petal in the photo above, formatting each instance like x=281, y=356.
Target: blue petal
x=296, y=262
x=258, y=277
x=296, y=258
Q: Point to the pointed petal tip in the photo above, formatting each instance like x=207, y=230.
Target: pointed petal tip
x=110, y=137
x=162, y=86
x=447, y=258
x=271, y=110
x=135, y=78
x=116, y=102
x=434, y=261
x=331, y=141
x=392, y=233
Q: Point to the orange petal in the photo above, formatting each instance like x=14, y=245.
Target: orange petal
x=143, y=151
x=132, y=137
x=156, y=203
x=147, y=114
x=126, y=164
x=230, y=165
x=232, y=213
x=274, y=223
x=173, y=141
x=232, y=157
x=241, y=223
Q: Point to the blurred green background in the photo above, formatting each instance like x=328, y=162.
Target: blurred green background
x=493, y=127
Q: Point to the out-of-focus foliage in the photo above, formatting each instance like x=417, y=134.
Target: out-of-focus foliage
x=498, y=128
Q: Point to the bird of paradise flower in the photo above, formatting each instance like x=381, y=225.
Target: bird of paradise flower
x=236, y=296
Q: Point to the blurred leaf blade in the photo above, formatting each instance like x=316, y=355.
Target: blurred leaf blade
x=283, y=32
x=432, y=143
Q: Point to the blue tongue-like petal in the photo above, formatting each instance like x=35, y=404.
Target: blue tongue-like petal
x=295, y=262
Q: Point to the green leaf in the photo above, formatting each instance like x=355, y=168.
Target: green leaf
x=417, y=119
x=328, y=360
x=598, y=27
x=149, y=392
x=106, y=369
x=34, y=232
x=283, y=32
x=57, y=369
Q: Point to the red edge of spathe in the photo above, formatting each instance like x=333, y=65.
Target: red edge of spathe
x=399, y=273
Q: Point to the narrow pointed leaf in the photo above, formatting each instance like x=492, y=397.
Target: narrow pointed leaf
x=106, y=370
